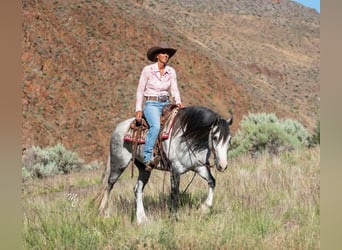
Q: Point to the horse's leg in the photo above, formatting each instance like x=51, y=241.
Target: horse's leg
x=143, y=178
x=115, y=173
x=117, y=163
x=205, y=173
x=107, y=188
x=175, y=180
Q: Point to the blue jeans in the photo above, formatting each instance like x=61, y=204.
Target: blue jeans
x=152, y=113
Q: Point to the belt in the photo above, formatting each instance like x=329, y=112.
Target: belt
x=162, y=98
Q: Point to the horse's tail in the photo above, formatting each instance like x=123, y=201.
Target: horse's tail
x=106, y=172
x=98, y=200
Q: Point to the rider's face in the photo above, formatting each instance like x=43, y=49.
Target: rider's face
x=163, y=57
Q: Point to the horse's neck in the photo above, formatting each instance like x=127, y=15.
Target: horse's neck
x=174, y=146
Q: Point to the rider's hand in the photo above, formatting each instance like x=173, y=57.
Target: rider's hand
x=138, y=116
x=180, y=105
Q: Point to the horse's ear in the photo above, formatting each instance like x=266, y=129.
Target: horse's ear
x=230, y=121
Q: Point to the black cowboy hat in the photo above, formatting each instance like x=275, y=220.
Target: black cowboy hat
x=162, y=47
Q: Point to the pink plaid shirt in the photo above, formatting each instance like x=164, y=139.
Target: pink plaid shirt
x=151, y=84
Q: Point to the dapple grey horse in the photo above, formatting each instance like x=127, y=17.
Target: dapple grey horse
x=197, y=133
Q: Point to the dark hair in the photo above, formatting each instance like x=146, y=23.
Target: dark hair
x=195, y=122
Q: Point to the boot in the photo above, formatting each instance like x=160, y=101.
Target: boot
x=152, y=163
x=149, y=166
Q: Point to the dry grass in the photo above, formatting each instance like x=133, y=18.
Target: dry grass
x=264, y=203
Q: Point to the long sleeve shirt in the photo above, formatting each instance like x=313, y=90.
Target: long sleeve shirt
x=151, y=84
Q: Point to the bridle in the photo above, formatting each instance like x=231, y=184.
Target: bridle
x=211, y=147
x=207, y=164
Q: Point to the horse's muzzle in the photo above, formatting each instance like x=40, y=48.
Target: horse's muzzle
x=221, y=165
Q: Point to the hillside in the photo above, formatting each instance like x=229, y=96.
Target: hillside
x=82, y=60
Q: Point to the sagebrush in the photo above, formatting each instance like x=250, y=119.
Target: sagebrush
x=42, y=162
x=265, y=132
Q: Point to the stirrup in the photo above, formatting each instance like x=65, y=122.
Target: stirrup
x=149, y=166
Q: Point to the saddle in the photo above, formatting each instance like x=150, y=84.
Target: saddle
x=166, y=121
x=136, y=134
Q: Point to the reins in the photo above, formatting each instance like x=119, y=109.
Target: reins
x=211, y=147
x=136, y=135
x=207, y=164
x=193, y=177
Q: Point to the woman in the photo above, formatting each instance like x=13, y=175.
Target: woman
x=156, y=80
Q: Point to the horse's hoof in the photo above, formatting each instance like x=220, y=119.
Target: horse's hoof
x=174, y=216
x=141, y=221
x=205, y=208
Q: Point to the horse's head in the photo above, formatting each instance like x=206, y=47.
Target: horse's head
x=219, y=139
x=202, y=129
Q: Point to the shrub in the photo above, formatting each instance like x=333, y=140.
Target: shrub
x=265, y=132
x=296, y=129
x=41, y=162
x=316, y=137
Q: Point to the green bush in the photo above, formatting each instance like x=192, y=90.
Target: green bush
x=41, y=162
x=265, y=132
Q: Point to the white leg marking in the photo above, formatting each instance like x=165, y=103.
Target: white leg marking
x=141, y=216
x=209, y=201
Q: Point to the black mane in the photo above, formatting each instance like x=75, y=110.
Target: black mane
x=195, y=123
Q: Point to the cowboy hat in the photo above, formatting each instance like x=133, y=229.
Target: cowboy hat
x=162, y=47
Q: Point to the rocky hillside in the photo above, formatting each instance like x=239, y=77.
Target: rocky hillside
x=82, y=60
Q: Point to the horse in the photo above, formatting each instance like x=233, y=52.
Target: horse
x=196, y=134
